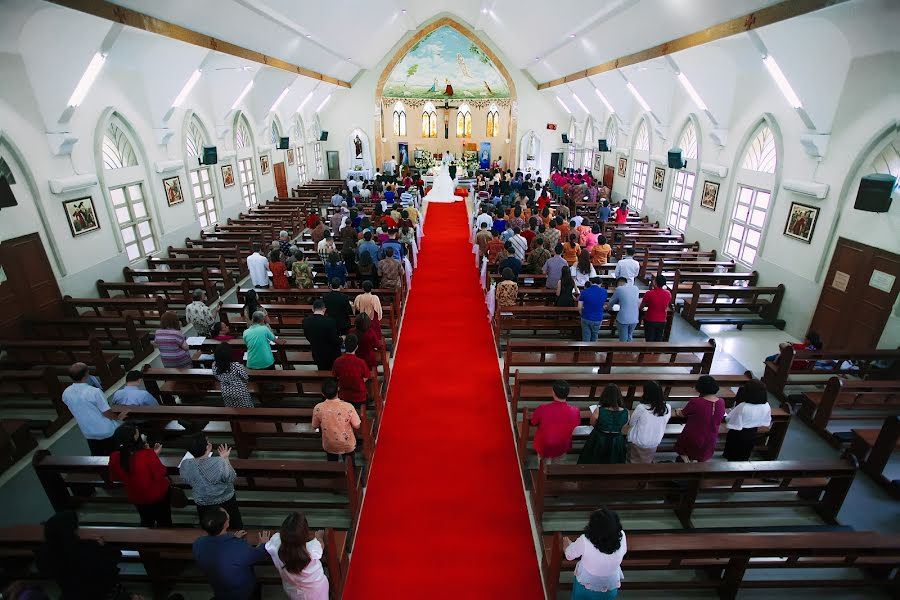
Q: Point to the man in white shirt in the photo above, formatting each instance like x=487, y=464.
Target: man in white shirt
x=390, y=166
x=578, y=220
x=519, y=244
x=484, y=217
x=627, y=267
x=92, y=413
x=337, y=199
x=258, y=265
x=500, y=162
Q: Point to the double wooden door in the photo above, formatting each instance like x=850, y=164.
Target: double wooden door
x=28, y=286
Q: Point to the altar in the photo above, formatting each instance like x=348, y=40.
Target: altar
x=363, y=174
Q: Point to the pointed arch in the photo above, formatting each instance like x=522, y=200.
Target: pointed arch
x=245, y=147
x=463, y=121
x=399, y=119
x=300, y=145
x=761, y=154
x=275, y=130
x=642, y=137
x=201, y=178
x=118, y=152
x=612, y=132
x=684, y=183
x=587, y=152
x=640, y=165
x=493, y=121
x=429, y=121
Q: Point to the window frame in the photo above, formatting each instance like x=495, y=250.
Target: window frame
x=747, y=223
x=249, y=192
x=202, y=199
x=317, y=148
x=133, y=222
x=680, y=207
x=640, y=170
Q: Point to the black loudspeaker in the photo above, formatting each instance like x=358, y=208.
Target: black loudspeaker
x=210, y=155
x=7, y=198
x=675, y=161
x=875, y=193
x=284, y=143
x=565, y=137
x=323, y=137
x=602, y=146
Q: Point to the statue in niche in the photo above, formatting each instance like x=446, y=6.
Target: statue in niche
x=532, y=147
x=357, y=144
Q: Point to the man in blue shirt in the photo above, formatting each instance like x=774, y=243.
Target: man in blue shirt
x=132, y=394
x=92, y=413
x=628, y=299
x=394, y=243
x=227, y=559
x=369, y=247
x=603, y=212
x=590, y=305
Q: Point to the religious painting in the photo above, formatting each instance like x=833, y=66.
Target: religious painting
x=358, y=147
x=81, y=215
x=403, y=152
x=172, y=188
x=228, y=175
x=659, y=176
x=801, y=222
x=623, y=166
x=290, y=156
x=264, y=163
x=598, y=162
x=484, y=156
x=710, y=195
x=446, y=64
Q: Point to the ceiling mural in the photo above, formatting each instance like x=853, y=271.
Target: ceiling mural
x=446, y=64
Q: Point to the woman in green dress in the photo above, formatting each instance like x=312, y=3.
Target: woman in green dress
x=606, y=444
x=303, y=277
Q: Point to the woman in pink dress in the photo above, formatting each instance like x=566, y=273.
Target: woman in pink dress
x=298, y=557
x=703, y=416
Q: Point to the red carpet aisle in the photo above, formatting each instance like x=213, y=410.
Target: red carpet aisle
x=444, y=515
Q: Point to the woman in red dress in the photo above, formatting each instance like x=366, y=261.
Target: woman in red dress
x=278, y=268
x=369, y=344
x=703, y=416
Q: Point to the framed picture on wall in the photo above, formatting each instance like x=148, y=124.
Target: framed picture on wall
x=623, y=166
x=598, y=163
x=290, y=156
x=228, y=175
x=801, y=222
x=81, y=215
x=172, y=188
x=710, y=195
x=264, y=163
x=659, y=176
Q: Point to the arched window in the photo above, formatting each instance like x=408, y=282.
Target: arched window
x=587, y=156
x=493, y=121
x=399, y=120
x=199, y=175
x=640, y=166
x=125, y=181
x=276, y=134
x=243, y=143
x=464, y=122
x=301, y=149
x=429, y=121
x=642, y=139
x=682, y=193
x=612, y=135
x=753, y=196
x=888, y=161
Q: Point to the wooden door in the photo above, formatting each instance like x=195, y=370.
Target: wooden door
x=334, y=168
x=556, y=161
x=30, y=288
x=280, y=180
x=860, y=290
x=608, y=177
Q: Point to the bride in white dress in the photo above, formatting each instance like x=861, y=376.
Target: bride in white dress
x=442, y=187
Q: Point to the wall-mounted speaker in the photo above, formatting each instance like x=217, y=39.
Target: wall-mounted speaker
x=210, y=155
x=874, y=193
x=284, y=143
x=602, y=146
x=565, y=138
x=323, y=137
x=675, y=161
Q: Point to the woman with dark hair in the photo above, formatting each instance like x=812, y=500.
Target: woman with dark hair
x=751, y=411
x=702, y=415
x=600, y=252
x=252, y=305
x=220, y=332
x=571, y=250
x=606, y=444
x=143, y=475
x=367, y=269
x=648, y=424
x=369, y=342
x=506, y=291
x=173, y=346
x=335, y=268
x=622, y=212
x=232, y=378
x=303, y=277
x=583, y=270
x=601, y=549
x=298, y=557
x=83, y=569
x=279, y=271
x=565, y=289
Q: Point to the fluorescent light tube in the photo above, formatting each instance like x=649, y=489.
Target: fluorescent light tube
x=604, y=100
x=245, y=91
x=305, y=100
x=637, y=96
x=87, y=80
x=183, y=94
x=280, y=98
x=691, y=91
x=324, y=102
x=560, y=100
x=783, y=84
x=580, y=103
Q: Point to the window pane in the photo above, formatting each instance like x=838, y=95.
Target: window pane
x=753, y=238
x=144, y=228
x=204, y=175
x=128, y=235
x=749, y=255
x=139, y=210
x=203, y=221
x=134, y=192
x=737, y=231
x=684, y=209
x=746, y=195
x=122, y=215
x=212, y=216
x=210, y=204
x=762, y=199
x=117, y=196
x=149, y=246
x=207, y=189
x=132, y=251
x=733, y=248
x=740, y=212
x=194, y=178
x=758, y=218
x=196, y=190
x=679, y=191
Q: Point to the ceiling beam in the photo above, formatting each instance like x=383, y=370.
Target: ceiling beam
x=787, y=9
x=132, y=18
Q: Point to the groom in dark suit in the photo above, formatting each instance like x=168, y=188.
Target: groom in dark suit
x=452, y=169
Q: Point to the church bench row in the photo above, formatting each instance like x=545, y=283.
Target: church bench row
x=57, y=355
x=165, y=556
x=34, y=390
x=647, y=242
x=234, y=259
x=855, y=399
x=793, y=367
x=666, y=261
x=733, y=305
x=217, y=268
x=723, y=564
x=682, y=282
x=202, y=278
x=70, y=483
x=118, y=335
x=176, y=294
x=145, y=311
x=15, y=441
x=873, y=449
x=685, y=488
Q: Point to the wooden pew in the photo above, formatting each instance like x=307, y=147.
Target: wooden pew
x=196, y=279
x=116, y=334
x=857, y=400
x=145, y=311
x=34, y=389
x=234, y=260
x=165, y=556
x=218, y=268
x=683, y=280
x=687, y=487
x=873, y=449
x=656, y=261
x=15, y=441
x=725, y=563
x=58, y=355
x=175, y=293
x=733, y=305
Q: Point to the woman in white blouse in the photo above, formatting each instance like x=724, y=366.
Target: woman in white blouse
x=751, y=412
x=583, y=270
x=648, y=424
x=601, y=549
x=298, y=557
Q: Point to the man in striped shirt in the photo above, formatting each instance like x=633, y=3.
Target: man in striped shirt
x=519, y=244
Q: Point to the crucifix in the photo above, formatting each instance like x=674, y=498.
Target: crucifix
x=446, y=108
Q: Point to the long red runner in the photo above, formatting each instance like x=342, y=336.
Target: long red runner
x=444, y=514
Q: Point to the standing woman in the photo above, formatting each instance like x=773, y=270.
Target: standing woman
x=232, y=378
x=750, y=412
x=571, y=250
x=143, y=475
x=606, y=444
x=173, y=347
x=703, y=415
x=583, y=270
x=279, y=271
x=369, y=344
x=565, y=289
x=303, y=277
x=252, y=305
x=648, y=424
x=298, y=557
x=601, y=548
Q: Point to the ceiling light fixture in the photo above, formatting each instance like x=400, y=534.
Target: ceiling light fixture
x=637, y=96
x=308, y=36
x=244, y=92
x=280, y=98
x=183, y=94
x=580, y=103
x=403, y=10
x=324, y=102
x=571, y=36
x=604, y=100
x=87, y=80
x=305, y=100
x=691, y=91
x=537, y=59
x=563, y=104
x=783, y=84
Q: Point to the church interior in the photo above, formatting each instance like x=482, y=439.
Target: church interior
x=372, y=299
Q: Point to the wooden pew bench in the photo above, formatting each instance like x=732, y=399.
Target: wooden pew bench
x=663, y=260
x=873, y=449
x=177, y=294
x=203, y=278
x=15, y=441
x=682, y=281
x=58, y=355
x=856, y=400
x=145, y=311
x=115, y=334
x=234, y=260
x=31, y=391
x=218, y=268
x=733, y=305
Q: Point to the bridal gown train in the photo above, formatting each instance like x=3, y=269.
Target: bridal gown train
x=443, y=187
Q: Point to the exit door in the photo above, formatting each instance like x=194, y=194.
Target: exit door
x=280, y=180
x=556, y=159
x=334, y=164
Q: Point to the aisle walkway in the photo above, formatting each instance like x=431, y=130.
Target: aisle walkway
x=444, y=514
